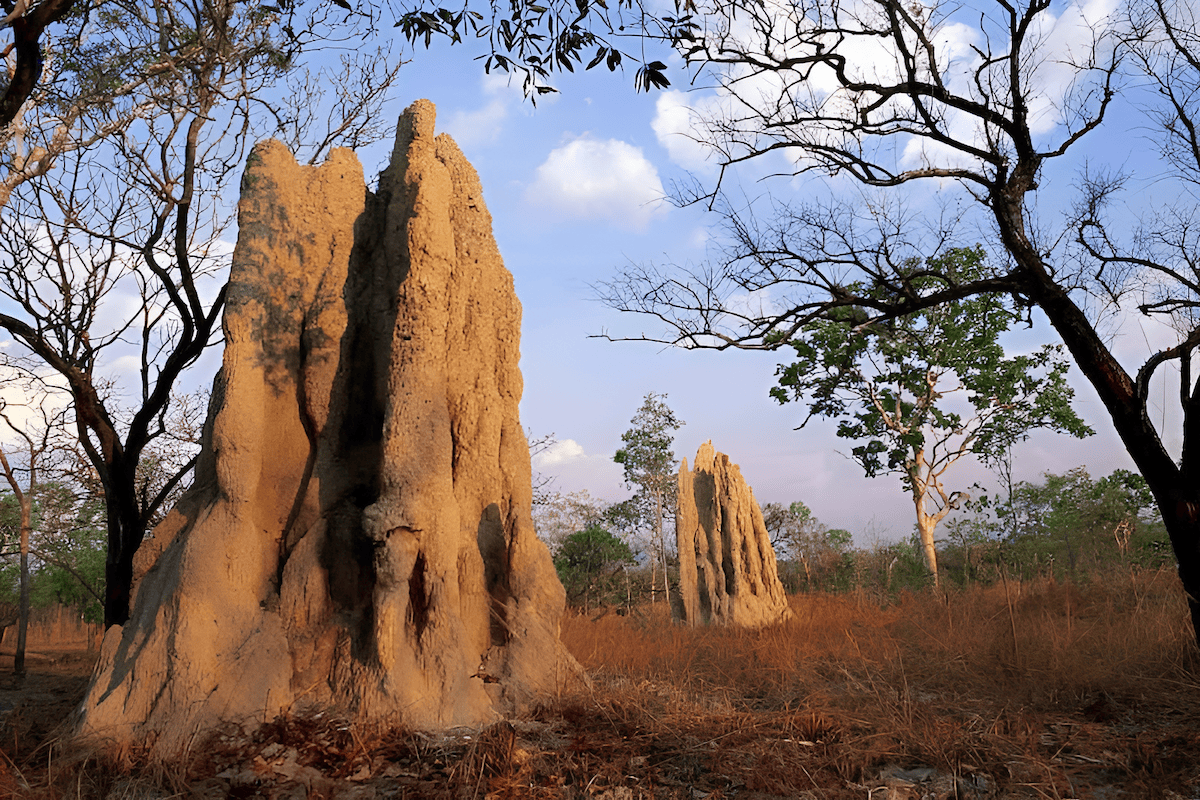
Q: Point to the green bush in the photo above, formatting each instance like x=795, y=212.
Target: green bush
x=591, y=564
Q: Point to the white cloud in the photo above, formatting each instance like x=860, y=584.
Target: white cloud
x=558, y=453
x=573, y=469
x=755, y=304
x=600, y=180
x=678, y=124
x=483, y=125
x=25, y=403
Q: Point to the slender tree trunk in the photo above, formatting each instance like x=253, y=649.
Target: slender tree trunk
x=23, y=620
x=1183, y=528
x=925, y=527
x=653, y=575
x=662, y=545
x=25, y=504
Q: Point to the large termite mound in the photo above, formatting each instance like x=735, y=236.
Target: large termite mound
x=727, y=571
x=359, y=534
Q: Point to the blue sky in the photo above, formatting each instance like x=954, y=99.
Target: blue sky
x=572, y=187
x=575, y=188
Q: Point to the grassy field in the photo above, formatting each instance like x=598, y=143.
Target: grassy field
x=1034, y=690
x=1047, y=689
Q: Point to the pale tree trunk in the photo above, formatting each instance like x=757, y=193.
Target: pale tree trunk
x=662, y=545
x=925, y=527
x=653, y=573
x=924, y=481
x=23, y=621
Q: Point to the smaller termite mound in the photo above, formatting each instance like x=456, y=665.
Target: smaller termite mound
x=727, y=570
x=358, y=537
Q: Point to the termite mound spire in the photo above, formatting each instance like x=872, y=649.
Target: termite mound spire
x=727, y=570
x=358, y=536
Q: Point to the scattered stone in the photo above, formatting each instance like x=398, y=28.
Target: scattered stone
x=727, y=570
x=358, y=536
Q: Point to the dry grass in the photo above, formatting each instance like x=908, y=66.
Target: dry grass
x=1050, y=689
x=1045, y=690
x=1044, y=643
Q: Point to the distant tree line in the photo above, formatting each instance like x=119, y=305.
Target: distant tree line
x=67, y=550
x=1067, y=526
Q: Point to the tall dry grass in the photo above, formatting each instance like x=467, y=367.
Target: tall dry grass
x=1041, y=643
x=1034, y=690
x=1050, y=689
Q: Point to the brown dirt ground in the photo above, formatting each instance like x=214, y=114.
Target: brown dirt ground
x=619, y=742
x=34, y=707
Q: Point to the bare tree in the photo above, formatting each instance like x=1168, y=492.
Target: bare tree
x=979, y=100
x=113, y=251
x=33, y=424
x=543, y=485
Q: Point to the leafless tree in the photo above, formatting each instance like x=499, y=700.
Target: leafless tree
x=114, y=247
x=872, y=103
x=33, y=414
x=543, y=485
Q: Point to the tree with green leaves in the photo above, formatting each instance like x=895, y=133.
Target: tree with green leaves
x=588, y=562
x=560, y=514
x=651, y=471
x=923, y=391
x=789, y=526
x=34, y=441
x=1076, y=524
x=536, y=38
x=797, y=535
x=70, y=549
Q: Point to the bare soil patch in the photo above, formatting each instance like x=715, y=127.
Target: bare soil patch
x=33, y=707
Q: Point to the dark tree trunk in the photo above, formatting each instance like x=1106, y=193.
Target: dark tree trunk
x=1175, y=489
x=125, y=533
x=27, y=32
x=1183, y=527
